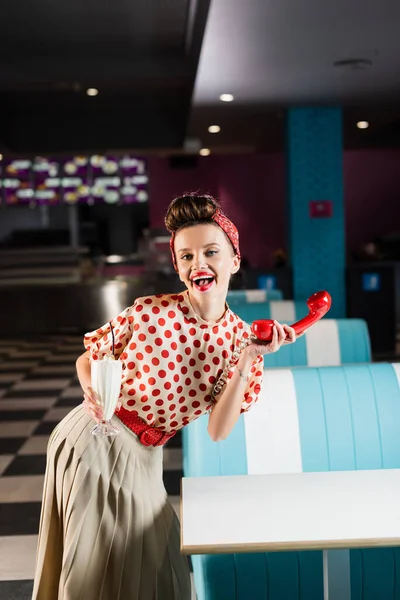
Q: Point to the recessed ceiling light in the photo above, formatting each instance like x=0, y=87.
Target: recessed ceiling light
x=226, y=98
x=362, y=124
x=214, y=129
x=92, y=92
x=205, y=152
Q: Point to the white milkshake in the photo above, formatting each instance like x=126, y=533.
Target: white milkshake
x=106, y=375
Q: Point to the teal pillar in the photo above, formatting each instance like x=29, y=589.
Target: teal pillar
x=315, y=204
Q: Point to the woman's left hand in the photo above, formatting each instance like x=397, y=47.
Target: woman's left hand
x=281, y=335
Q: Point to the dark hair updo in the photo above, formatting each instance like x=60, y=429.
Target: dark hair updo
x=190, y=209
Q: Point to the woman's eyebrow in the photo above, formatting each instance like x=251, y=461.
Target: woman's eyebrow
x=206, y=246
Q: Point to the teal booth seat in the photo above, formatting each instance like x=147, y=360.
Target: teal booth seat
x=307, y=419
x=249, y=296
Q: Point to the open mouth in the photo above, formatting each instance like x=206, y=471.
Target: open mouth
x=203, y=283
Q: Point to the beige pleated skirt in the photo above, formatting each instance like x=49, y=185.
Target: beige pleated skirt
x=107, y=529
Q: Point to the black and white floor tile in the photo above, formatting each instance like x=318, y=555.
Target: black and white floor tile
x=38, y=387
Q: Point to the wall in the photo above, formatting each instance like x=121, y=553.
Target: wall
x=166, y=183
x=372, y=194
x=252, y=191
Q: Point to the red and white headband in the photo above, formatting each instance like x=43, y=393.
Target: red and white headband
x=225, y=224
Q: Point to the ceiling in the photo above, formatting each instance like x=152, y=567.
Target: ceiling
x=265, y=51
x=160, y=66
x=271, y=55
x=141, y=55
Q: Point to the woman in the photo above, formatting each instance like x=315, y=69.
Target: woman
x=108, y=531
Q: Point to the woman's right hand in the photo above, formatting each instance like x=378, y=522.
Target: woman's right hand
x=91, y=405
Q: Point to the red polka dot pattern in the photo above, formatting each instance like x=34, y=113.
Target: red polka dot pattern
x=171, y=360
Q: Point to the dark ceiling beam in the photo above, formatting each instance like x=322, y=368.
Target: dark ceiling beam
x=196, y=25
x=90, y=132
x=106, y=69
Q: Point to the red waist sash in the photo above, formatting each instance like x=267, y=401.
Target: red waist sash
x=148, y=435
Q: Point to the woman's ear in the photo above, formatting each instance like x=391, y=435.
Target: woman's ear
x=236, y=265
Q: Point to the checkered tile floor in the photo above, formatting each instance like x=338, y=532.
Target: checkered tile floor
x=38, y=387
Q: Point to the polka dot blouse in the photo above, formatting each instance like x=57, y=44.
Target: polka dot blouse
x=172, y=358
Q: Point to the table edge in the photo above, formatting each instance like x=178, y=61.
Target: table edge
x=242, y=548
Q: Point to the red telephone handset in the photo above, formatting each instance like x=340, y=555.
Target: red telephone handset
x=319, y=304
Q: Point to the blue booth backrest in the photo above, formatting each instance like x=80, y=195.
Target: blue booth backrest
x=329, y=342
x=307, y=419
x=252, y=296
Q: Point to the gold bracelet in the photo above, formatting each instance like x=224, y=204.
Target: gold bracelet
x=243, y=377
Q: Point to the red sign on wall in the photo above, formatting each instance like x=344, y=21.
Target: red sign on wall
x=321, y=209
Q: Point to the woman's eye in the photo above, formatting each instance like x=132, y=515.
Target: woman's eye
x=211, y=252
x=186, y=257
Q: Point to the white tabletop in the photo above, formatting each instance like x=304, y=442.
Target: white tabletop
x=255, y=513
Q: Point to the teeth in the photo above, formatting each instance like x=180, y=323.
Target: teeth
x=203, y=281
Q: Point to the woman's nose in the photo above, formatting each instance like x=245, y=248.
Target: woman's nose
x=199, y=262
